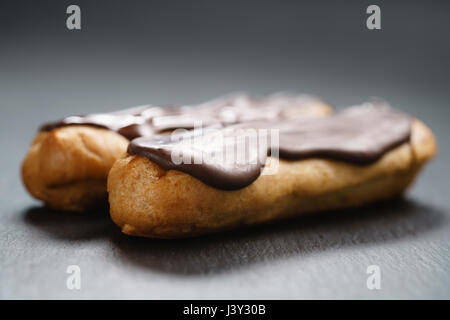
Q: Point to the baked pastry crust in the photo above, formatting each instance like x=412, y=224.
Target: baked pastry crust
x=147, y=201
x=67, y=167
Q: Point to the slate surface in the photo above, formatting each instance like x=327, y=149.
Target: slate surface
x=138, y=52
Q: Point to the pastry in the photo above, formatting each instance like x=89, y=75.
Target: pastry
x=69, y=160
x=357, y=156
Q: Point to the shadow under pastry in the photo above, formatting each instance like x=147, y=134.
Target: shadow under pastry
x=380, y=223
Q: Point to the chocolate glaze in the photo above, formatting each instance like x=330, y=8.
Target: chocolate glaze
x=145, y=121
x=359, y=135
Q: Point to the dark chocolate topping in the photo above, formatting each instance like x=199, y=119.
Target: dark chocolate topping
x=146, y=121
x=359, y=135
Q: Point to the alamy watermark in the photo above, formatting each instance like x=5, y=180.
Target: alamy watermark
x=226, y=147
x=73, y=281
x=374, y=279
x=373, y=22
x=73, y=21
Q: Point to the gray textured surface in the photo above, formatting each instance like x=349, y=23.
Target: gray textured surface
x=172, y=52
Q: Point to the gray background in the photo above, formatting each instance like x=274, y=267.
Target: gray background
x=135, y=52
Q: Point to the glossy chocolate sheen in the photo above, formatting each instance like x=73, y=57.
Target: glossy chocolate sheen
x=358, y=135
x=145, y=121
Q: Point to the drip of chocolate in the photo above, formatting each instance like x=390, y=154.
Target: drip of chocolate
x=232, y=157
x=146, y=121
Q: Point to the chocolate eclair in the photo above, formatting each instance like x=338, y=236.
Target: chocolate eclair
x=69, y=160
x=188, y=185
